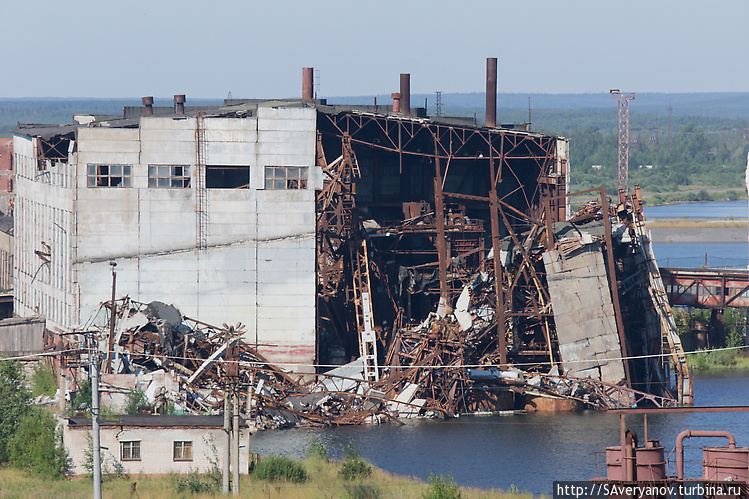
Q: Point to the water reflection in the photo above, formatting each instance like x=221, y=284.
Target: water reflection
x=530, y=450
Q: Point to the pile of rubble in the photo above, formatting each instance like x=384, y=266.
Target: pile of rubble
x=489, y=343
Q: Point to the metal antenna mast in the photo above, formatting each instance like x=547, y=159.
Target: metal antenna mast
x=623, y=98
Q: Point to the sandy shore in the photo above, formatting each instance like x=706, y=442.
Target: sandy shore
x=700, y=235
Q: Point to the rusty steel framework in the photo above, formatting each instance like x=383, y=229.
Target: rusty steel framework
x=432, y=249
x=454, y=222
x=623, y=99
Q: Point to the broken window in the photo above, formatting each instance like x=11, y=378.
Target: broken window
x=286, y=177
x=183, y=451
x=130, y=451
x=227, y=176
x=109, y=176
x=169, y=176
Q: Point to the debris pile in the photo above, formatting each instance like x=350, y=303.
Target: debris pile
x=547, y=328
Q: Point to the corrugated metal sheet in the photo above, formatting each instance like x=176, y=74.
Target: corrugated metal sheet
x=22, y=336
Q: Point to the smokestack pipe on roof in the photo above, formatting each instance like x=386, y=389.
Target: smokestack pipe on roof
x=148, y=102
x=491, y=91
x=179, y=104
x=396, y=102
x=405, y=103
x=307, y=85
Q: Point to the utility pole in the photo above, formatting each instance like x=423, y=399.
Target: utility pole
x=231, y=401
x=623, y=163
x=227, y=443
x=235, y=440
x=112, y=317
x=94, y=359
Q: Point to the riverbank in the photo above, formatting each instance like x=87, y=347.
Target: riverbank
x=324, y=481
x=682, y=230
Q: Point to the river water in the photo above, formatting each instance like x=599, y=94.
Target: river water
x=530, y=451
x=693, y=255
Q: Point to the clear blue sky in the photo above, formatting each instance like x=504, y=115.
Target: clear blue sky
x=132, y=48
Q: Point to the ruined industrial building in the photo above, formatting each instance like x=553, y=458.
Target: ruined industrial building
x=338, y=264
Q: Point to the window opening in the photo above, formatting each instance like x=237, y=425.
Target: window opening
x=227, y=176
x=109, y=176
x=183, y=451
x=169, y=176
x=286, y=177
x=130, y=451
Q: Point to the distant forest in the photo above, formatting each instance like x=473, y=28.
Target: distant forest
x=700, y=152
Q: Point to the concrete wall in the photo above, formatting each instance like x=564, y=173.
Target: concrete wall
x=259, y=265
x=584, y=313
x=156, y=449
x=6, y=261
x=6, y=175
x=22, y=336
x=43, y=215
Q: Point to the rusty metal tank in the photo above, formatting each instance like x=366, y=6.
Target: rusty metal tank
x=614, y=468
x=651, y=464
x=725, y=463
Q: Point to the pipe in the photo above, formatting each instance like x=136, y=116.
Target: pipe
x=630, y=456
x=179, y=104
x=396, y=102
x=697, y=433
x=307, y=84
x=406, y=93
x=491, y=92
x=148, y=102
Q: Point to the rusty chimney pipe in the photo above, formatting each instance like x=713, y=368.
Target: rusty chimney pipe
x=179, y=104
x=405, y=103
x=148, y=102
x=491, y=91
x=307, y=85
x=396, y=102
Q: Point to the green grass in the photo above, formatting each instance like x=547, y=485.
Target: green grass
x=709, y=360
x=324, y=482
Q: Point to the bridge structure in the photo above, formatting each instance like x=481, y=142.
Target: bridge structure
x=706, y=287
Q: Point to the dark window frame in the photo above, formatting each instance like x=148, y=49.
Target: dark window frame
x=179, y=450
x=130, y=450
x=169, y=176
x=109, y=175
x=283, y=178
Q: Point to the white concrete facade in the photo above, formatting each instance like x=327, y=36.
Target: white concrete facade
x=258, y=267
x=156, y=448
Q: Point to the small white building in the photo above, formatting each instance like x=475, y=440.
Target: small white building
x=154, y=445
x=213, y=214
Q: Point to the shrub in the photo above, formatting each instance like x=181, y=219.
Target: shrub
x=14, y=402
x=82, y=400
x=115, y=471
x=36, y=446
x=45, y=380
x=280, y=468
x=194, y=482
x=136, y=398
x=361, y=491
x=354, y=466
x=706, y=359
x=316, y=450
x=442, y=487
